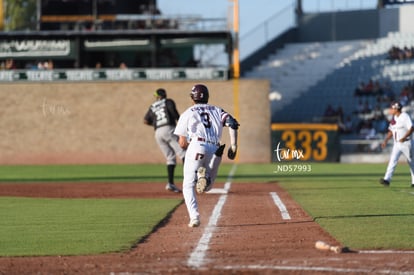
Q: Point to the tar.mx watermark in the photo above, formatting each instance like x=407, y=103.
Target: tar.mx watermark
x=54, y=109
x=284, y=157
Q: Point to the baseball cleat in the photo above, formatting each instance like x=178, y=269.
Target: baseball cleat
x=172, y=187
x=194, y=222
x=384, y=182
x=203, y=183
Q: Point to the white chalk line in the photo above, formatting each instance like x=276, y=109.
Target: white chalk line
x=386, y=252
x=313, y=268
x=197, y=257
x=282, y=208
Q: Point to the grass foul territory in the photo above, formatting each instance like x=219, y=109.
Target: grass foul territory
x=31, y=227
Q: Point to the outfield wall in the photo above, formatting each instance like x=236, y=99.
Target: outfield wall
x=102, y=122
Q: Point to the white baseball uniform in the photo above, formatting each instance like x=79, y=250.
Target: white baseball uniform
x=399, y=126
x=202, y=124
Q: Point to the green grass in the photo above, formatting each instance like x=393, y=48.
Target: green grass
x=345, y=199
x=76, y=226
x=127, y=172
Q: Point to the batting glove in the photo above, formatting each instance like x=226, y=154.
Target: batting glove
x=231, y=153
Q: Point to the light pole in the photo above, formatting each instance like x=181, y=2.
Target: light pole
x=236, y=51
x=236, y=60
x=2, y=14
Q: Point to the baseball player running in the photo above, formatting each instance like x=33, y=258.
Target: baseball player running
x=163, y=116
x=199, y=129
x=400, y=130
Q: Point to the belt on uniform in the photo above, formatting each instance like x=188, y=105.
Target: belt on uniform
x=207, y=141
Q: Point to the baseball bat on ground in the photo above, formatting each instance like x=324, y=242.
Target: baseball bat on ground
x=320, y=245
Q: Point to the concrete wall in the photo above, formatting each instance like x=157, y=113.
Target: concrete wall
x=333, y=26
x=102, y=122
x=406, y=19
x=389, y=21
x=352, y=25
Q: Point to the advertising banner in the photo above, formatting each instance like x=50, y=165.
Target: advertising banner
x=305, y=142
x=114, y=74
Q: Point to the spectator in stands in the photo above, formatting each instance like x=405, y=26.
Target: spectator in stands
x=364, y=107
x=365, y=89
x=329, y=111
x=408, y=54
x=30, y=66
x=372, y=88
x=333, y=116
x=367, y=107
x=395, y=53
x=367, y=130
x=45, y=65
x=340, y=114
x=405, y=96
x=360, y=89
x=191, y=62
x=381, y=124
x=388, y=92
x=49, y=65
x=377, y=111
x=40, y=65
x=377, y=88
x=10, y=65
x=369, y=88
x=360, y=107
x=347, y=126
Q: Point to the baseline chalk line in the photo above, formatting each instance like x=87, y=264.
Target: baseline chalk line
x=197, y=257
x=282, y=208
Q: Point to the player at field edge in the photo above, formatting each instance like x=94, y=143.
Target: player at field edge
x=400, y=130
x=163, y=116
x=200, y=129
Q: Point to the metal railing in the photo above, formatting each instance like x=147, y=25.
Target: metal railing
x=267, y=31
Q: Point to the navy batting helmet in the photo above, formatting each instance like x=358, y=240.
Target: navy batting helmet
x=199, y=93
x=161, y=93
x=396, y=105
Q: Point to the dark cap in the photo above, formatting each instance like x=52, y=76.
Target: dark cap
x=396, y=105
x=161, y=93
x=199, y=93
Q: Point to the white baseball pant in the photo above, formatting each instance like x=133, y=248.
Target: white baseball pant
x=399, y=148
x=199, y=154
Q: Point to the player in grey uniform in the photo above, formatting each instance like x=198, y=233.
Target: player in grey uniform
x=163, y=116
x=400, y=130
x=199, y=129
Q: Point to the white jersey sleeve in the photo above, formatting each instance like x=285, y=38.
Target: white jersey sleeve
x=181, y=127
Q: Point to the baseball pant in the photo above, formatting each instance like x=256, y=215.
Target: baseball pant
x=199, y=154
x=168, y=143
x=399, y=148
